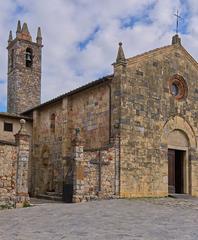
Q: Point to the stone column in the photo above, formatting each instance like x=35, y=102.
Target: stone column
x=78, y=169
x=23, y=145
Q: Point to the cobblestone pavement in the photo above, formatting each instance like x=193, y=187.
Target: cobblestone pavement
x=149, y=219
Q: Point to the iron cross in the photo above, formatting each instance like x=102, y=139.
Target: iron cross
x=99, y=162
x=177, y=24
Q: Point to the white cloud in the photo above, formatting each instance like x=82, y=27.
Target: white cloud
x=65, y=23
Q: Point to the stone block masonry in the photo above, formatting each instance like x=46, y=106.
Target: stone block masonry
x=24, y=71
x=94, y=175
x=149, y=114
x=8, y=161
x=14, y=157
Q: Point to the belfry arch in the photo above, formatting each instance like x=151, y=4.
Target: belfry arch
x=179, y=138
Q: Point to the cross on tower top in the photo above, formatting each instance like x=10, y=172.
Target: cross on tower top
x=177, y=22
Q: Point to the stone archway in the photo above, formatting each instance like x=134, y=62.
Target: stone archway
x=178, y=123
x=179, y=137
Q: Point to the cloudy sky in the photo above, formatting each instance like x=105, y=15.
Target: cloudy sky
x=81, y=37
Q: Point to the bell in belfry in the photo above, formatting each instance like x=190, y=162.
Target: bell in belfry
x=28, y=56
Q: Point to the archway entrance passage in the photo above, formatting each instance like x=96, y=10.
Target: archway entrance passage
x=178, y=163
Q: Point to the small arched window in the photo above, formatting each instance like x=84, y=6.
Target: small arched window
x=28, y=57
x=12, y=59
x=52, y=122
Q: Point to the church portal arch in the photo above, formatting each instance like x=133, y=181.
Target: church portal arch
x=179, y=138
x=181, y=125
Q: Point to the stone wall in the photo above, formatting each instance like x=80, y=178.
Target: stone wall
x=146, y=104
x=8, y=162
x=24, y=83
x=14, y=158
x=88, y=111
x=94, y=173
x=10, y=136
x=47, y=164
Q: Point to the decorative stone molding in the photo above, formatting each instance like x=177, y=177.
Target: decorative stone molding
x=178, y=123
x=178, y=87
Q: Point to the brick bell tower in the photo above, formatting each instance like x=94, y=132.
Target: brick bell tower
x=24, y=70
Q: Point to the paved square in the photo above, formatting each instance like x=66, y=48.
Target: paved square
x=149, y=219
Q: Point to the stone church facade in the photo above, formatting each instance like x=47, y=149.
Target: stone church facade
x=129, y=134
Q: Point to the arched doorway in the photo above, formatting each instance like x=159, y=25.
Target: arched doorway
x=178, y=135
x=178, y=162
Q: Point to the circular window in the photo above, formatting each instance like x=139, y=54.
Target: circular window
x=174, y=89
x=178, y=87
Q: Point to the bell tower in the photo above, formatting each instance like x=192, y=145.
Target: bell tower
x=24, y=70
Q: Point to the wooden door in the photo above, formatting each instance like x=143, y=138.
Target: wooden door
x=171, y=171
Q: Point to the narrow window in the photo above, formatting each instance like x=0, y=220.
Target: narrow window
x=8, y=127
x=52, y=122
x=28, y=57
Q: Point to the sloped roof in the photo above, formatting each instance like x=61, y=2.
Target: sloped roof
x=77, y=90
x=13, y=115
x=149, y=53
x=2, y=142
x=161, y=50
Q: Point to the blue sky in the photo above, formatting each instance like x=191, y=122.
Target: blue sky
x=81, y=37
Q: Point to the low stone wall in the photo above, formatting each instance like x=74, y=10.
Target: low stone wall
x=8, y=161
x=94, y=174
x=14, y=158
x=99, y=174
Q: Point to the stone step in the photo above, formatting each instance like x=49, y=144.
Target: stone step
x=50, y=197
x=54, y=194
x=181, y=196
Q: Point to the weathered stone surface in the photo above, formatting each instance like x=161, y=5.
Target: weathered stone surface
x=8, y=162
x=14, y=158
x=94, y=174
x=24, y=83
x=149, y=113
x=87, y=111
x=127, y=123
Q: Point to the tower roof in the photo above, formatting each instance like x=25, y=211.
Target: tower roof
x=39, y=36
x=25, y=29
x=120, y=56
x=18, y=31
x=25, y=34
x=10, y=37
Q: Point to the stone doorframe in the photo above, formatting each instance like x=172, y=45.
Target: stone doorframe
x=186, y=167
x=178, y=123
